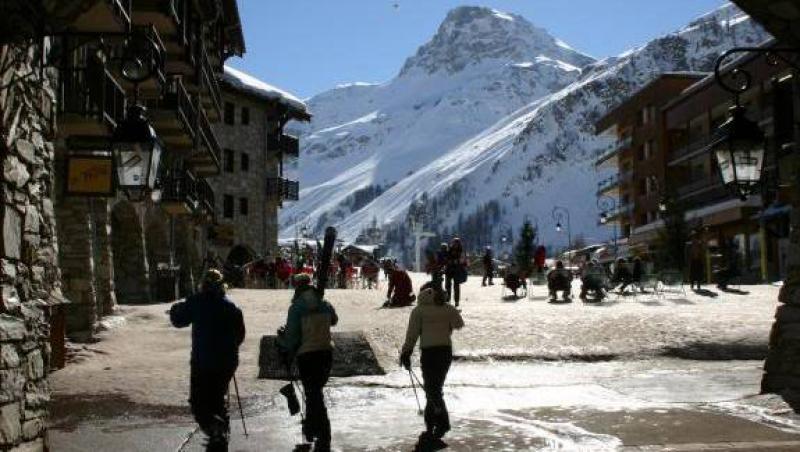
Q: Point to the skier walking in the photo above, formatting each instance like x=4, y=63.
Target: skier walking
x=455, y=271
x=217, y=332
x=432, y=322
x=488, y=267
x=307, y=338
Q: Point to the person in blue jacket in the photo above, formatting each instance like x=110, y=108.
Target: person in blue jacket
x=217, y=332
x=307, y=338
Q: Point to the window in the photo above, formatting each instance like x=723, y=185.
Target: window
x=227, y=206
x=228, y=161
x=245, y=163
x=245, y=116
x=229, y=114
x=244, y=207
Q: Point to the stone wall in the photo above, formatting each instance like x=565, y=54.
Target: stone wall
x=782, y=367
x=258, y=230
x=28, y=270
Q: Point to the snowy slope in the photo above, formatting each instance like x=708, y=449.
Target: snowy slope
x=536, y=154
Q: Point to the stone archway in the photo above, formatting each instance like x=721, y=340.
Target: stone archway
x=131, y=270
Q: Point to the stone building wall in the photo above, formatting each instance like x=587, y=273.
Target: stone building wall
x=29, y=273
x=256, y=231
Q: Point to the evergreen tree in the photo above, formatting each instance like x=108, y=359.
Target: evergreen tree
x=525, y=249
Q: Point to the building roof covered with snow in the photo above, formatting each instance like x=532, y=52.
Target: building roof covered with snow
x=248, y=84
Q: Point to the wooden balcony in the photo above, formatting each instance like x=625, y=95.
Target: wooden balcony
x=179, y=195
x=174, y=117
x=205, y=160
x=90, y=101
x=280, y=189
x=104, y=16
x=210, y=91
x=205, y=196
x=282, y=146
x=173, y=20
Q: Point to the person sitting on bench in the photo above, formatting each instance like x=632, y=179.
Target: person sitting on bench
x=560, y=279
x=513, y=280
x=592, y=280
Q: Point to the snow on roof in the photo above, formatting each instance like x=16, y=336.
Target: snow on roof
x=251, y=85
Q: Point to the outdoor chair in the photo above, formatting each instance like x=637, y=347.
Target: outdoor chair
x=535, y=280
x=670, y=281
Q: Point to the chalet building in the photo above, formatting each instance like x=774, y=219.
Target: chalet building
x=636, y=156
x=112, y=132
x=251, y=186
x=758, y=226
x=663, y=152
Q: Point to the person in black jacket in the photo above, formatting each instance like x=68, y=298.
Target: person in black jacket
x=455, y=271
x=488, y=267
x=217, y=332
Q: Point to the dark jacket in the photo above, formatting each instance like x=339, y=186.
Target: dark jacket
x=217, y=329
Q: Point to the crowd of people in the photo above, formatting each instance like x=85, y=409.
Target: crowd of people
x=306, y=341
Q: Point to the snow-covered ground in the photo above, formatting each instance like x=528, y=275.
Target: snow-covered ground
x=729, y=326
x=531, y=376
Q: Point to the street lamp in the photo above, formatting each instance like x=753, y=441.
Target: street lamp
x=506, y=238
x=560, y=215
x=739, y=144
x=607, y=204
x=135, y=147
x=739, y=147
x=136, y=150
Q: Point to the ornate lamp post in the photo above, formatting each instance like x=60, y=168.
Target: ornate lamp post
x=506, y=238
x=740, y=151
x=135, y=147
x=560, y=214
x=606, y=204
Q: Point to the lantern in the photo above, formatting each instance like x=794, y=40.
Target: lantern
x=137, y=152
x=739, y=147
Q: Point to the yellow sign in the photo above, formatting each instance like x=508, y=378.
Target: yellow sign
x=90, y=176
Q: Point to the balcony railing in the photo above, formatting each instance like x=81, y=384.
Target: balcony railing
x=613, y=181
x=176, y=97
x=209, y=78
x=291, y=190
x=179, y=192
x=701, y=185
x=283, y=189
x=690, y=149
x=209, y=139
x=91, y=92
x=613, y=149
x=205, y=195
x=286, y=145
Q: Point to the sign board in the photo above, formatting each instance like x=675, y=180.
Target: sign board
x=90, y=175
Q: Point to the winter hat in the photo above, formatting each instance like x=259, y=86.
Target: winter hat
x=213, y=279
x=301, y=279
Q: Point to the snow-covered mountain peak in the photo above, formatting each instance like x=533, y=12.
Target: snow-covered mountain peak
x=472, y=35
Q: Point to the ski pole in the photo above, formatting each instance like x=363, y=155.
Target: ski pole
x=187, y=439
x=239, y=400
x=416, y=378
x=419, y=406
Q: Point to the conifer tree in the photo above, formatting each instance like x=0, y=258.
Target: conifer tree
x=525, y=249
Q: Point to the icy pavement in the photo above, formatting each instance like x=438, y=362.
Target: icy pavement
x=531, y=376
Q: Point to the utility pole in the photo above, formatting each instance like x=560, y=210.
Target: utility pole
x=419, y=235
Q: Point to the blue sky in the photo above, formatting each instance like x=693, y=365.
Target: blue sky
x=309, y=46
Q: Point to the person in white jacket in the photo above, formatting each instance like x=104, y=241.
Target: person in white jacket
x=432, y=322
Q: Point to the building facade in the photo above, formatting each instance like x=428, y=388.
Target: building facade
x=669, y=159
x=756, y=227
x=251, y=186
x=74, y=243
x=636, y=156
